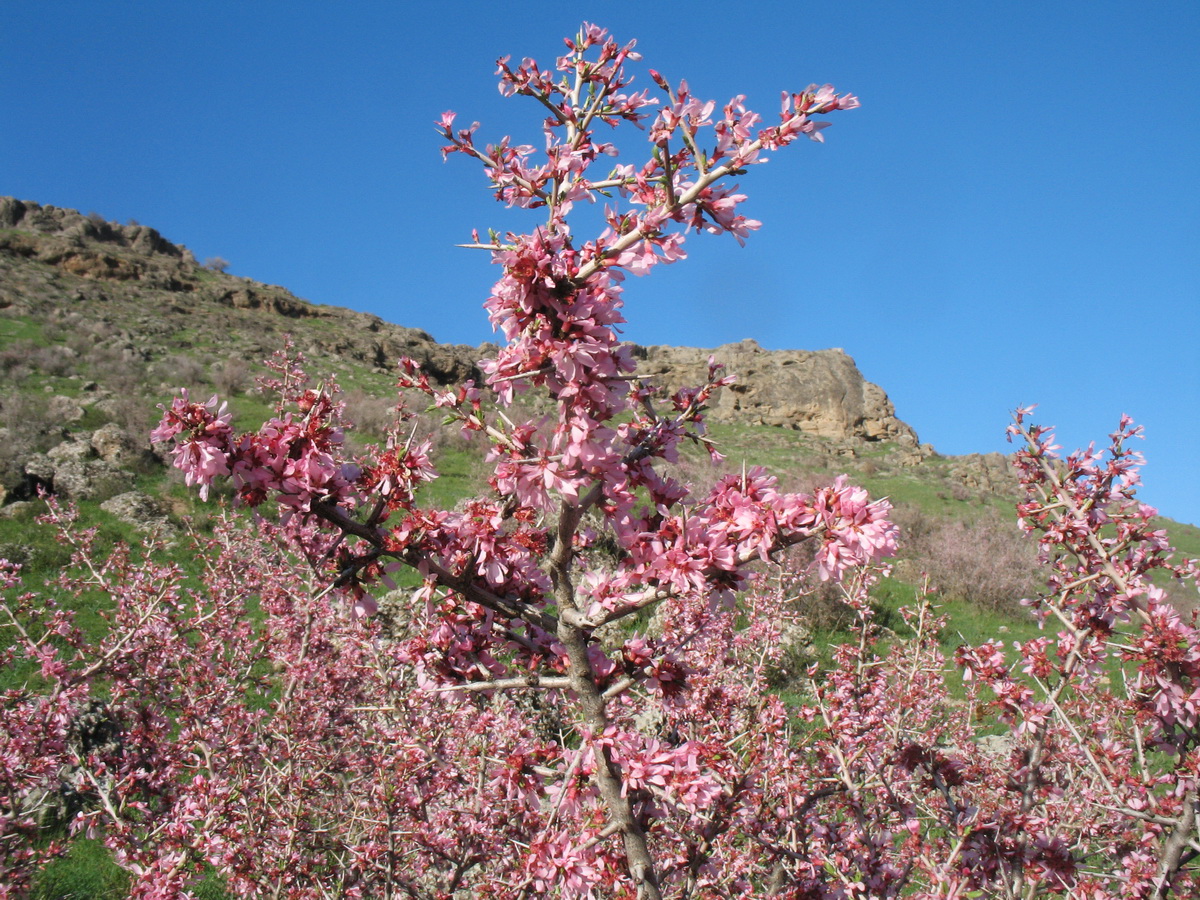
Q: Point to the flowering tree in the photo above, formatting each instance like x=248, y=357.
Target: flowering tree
x=574, y=702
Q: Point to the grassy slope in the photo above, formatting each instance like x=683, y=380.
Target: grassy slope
x=799, y=460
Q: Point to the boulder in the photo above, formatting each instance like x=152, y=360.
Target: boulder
x=40, y=467
x=141, y=511
x=114, y=444
x=71, y=452
x=64, y=409
x=71, y=471
x=90, y=480
x=18, y=509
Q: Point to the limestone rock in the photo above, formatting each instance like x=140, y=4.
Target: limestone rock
x=991, y=473
x=64, y=409
x=26, y=215
x=17, y=509
x=70, y=471
x=90, y=480
x=139, y=510
x=113, y=444
x=40, y=467
x=818, y=392
x=71, y=452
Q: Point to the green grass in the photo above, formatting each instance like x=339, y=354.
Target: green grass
x=460, y=475
x=249, y=411
x=44, y=559
x=21, y=328
x=86, y=872
x=1184, y=538
x=966, y=622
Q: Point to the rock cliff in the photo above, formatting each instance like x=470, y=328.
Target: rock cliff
x=819, y=392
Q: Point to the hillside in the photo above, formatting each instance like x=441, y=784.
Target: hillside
x=59, y=266
x=101, y=322
x=93, y=301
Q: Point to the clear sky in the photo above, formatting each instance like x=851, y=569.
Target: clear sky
x=1012, y=217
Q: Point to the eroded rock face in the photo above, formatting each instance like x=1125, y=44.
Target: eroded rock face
x=819, y=392
x=988, y=472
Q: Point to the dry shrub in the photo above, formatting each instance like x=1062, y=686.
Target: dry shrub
x=114, y=368
x=960, y=493
x=180, y=370
x=987, y=561
x=134, y=412
x=55, y=360
x=697, y=471
x=84, y=336
x=58, y=328
x=442, y=435
x=372, y=416
x=1184, y=596
x=28, y=429
x=820, y=604
x=231, y=377
x=16, y=361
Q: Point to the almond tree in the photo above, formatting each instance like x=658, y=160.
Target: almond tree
x=521, y=603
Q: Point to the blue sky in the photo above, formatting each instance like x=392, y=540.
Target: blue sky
x=1012, y=217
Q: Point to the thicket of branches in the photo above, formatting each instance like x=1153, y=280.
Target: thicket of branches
x=576, y=702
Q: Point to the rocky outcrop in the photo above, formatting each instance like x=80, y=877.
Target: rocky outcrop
x=74, y=470
x=80, y=466
x=990, y=473
x=818, y=392
x=117, y=273
x=24, y=215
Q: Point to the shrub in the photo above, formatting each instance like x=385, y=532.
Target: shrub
x=987, y=560
x=232, y=376
x=179, y=369
x=28, y=430
x=371, y=414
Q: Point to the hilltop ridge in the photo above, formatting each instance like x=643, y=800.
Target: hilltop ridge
x=59, y=262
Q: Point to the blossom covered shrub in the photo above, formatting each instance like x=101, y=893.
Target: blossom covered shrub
x=574, y=702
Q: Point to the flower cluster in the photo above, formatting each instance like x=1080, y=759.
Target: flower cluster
x=292, y=459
